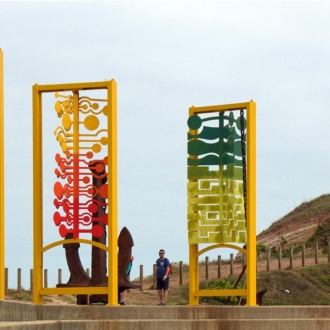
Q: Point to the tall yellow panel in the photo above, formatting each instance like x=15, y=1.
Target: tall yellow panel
x=2, y=183
x=87, y=139
x=221, y=188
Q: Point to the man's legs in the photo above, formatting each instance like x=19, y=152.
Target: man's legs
x=160, y=290
x=160, y=293
x=165, y=296
x=165, y=288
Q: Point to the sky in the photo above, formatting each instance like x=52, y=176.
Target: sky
x=165, y=57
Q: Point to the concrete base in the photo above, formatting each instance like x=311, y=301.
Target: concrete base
x=14, y=315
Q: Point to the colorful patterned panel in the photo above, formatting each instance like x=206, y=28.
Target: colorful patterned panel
x=81, y=137
x=215, y=179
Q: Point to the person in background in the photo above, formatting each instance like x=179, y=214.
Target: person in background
x=128, y=271
x=163, y=268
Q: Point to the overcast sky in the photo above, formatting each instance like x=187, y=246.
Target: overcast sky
x=167, y=56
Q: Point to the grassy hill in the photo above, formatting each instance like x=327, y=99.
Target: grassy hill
x=301, y=286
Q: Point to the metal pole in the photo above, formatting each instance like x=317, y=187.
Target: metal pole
x=2, y=180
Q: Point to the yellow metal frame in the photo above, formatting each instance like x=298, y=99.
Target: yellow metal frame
x=38, y=249
x=250, y=252
x=2, y=183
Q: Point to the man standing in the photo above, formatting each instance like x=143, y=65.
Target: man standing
x=163, y=268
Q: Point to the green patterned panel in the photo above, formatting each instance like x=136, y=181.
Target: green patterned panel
x=215, y=211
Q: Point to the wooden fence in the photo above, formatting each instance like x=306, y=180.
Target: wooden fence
x=224, y=268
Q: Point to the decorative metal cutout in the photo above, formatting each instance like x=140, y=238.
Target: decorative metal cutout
x=80, y=136
x=215, y=179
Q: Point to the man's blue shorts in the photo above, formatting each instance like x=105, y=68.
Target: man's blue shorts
x=162, y=284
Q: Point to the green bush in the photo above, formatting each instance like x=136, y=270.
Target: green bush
x=261, y=248
x=320, y=235
x=220, y=285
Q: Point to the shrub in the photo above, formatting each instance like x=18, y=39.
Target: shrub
x=220, y=285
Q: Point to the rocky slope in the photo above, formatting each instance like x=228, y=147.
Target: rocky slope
x=306, y=223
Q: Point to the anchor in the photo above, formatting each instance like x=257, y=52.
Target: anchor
x=79, y=277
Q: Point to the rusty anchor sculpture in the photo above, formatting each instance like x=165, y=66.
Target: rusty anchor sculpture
x=80, y=278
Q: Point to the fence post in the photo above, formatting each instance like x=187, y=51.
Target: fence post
x=280, y=258
x=256, y=264
x=328, y=249
x=59, y=276
x=206, y=268
x=45, y=278
x=181, y=272
x=291, y=256
x=19, y=280
x=141, y=277
x=268, y=260
x=6, y=281
x=154, y=277
x=219, y=267
x=231, y=264
x=303, y=254
x=316, y=253
x=31, y=281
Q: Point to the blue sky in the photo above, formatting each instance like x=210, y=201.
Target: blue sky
x=166, y=57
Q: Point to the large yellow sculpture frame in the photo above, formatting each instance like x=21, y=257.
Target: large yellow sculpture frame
x=250, y=251
x=2, y=184
x=38, y=249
